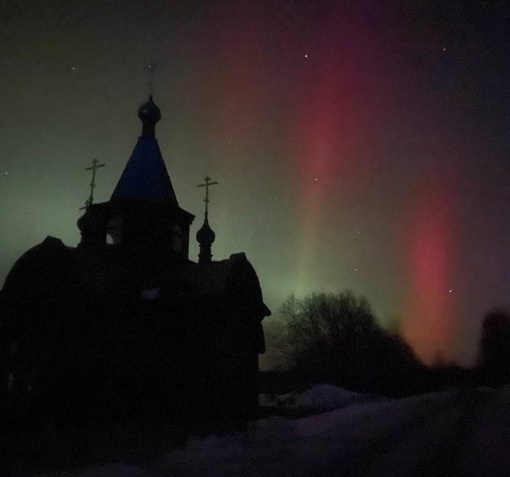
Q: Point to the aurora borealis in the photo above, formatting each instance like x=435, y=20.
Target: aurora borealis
x=363, y=147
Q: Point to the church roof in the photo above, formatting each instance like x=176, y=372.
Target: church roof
x=145, y=176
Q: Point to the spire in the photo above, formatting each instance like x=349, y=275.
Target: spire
x=145, y=176
x=206, y=236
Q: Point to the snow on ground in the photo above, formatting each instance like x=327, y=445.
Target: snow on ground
x=316, y=398
x=457, y=432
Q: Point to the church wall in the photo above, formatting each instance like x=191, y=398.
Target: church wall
x=111, y=351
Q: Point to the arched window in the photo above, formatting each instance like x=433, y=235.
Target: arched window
x=114, y=231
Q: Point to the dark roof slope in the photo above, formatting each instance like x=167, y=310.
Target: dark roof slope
x=145, y=176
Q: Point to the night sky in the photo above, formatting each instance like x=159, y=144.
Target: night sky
x=363, y=147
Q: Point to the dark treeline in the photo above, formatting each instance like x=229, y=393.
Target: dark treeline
x=335, y=338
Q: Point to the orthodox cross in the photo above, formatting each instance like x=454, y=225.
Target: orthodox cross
x=207, y=183
x=152, y=68
x=94, y=167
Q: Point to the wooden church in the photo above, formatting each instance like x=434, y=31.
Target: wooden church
x=125, y=323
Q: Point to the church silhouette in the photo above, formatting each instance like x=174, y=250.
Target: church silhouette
x=125, y=324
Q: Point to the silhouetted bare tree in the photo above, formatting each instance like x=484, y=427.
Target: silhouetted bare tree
x=336, y=338
x=495, y=348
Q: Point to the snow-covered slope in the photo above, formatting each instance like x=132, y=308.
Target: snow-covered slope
x=463, y=432
x=316, y=398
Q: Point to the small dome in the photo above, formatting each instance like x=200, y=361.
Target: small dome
x=87, y=221
x=205, y=236
x=149, y=112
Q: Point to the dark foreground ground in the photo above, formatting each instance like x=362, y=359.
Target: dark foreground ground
x=459, y=432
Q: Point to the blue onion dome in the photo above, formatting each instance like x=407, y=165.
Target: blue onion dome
x=149, y=113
